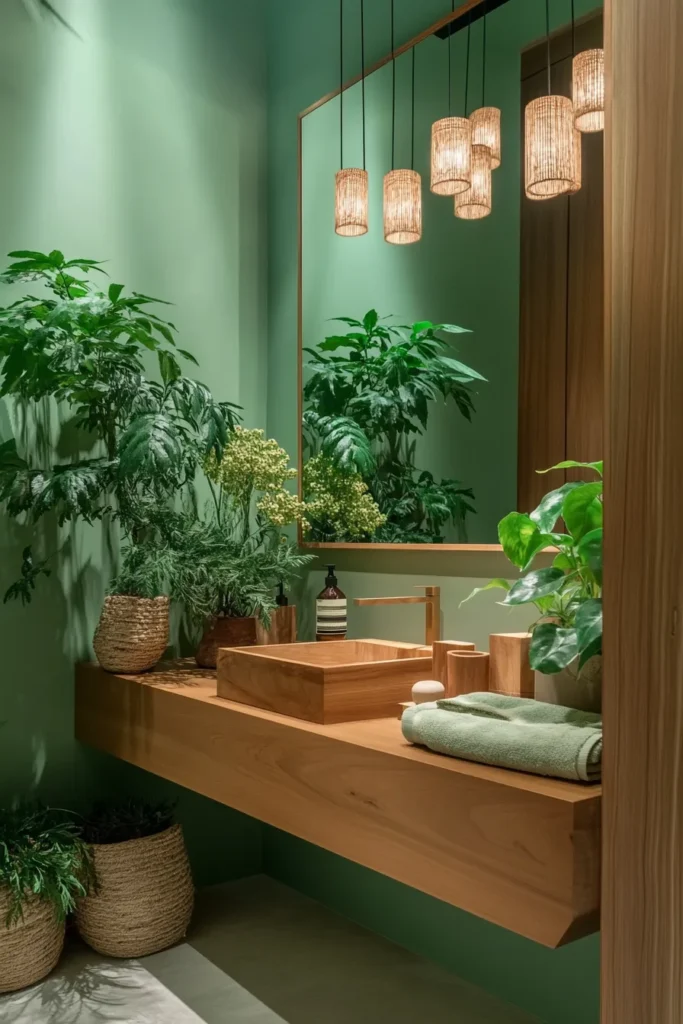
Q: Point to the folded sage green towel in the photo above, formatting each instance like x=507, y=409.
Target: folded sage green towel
x=510, y=732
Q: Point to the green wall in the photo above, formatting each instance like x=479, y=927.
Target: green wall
x=139, y=140
x=561, y=987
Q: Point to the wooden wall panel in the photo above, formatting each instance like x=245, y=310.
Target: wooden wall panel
x=642, y=974
x=561, y=299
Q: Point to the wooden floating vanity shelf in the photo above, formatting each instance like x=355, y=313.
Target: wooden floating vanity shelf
x=519, y=850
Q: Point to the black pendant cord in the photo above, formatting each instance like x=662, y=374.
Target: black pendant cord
x=362, y=70
x=341, y=84
x=412, y=117
x=467, y=60
x=393, y=93
x=450, y=47
x=483, y=57
x=547, y=39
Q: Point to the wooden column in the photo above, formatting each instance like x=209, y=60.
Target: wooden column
x=642, y=976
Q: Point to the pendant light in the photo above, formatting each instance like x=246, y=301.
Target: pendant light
x=486, y=120
x=451, y=164
x=351, y=183
x=588, y=87
x=552, y=145
x=475, y=203
x=402, y=187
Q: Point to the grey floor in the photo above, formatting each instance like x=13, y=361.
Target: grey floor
x=258, y=953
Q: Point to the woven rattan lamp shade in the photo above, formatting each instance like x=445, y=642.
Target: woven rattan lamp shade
x=476, y=202
x=588, y=90
x=550, y=148
x=451, y=155
x=402, y=207
x=351, y=202
x=486, y=132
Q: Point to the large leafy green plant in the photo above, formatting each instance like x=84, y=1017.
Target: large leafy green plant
x=567, y=594
x=42, y=856
x=83, y=348
x=368, y=394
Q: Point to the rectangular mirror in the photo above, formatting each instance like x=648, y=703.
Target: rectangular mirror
x=437, y=376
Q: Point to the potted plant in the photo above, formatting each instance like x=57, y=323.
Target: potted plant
x=144, y=897
x=566, y=643
x=368, y=394
x=44, y=868
x=83, y=349
x=228, y=563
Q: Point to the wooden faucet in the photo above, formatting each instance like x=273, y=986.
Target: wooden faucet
x=432, y=602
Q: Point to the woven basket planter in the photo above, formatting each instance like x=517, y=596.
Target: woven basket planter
x=31, y=947
x=144, y=899
x=132, y=633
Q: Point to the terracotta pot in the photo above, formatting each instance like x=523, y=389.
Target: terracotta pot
x=571, y=688
x=132, y=633
x=224, y=631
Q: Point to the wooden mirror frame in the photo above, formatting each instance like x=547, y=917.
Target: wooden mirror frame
x=468, y=5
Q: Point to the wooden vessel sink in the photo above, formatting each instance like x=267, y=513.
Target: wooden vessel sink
x=339, y=681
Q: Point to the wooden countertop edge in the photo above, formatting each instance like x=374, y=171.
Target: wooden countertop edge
x=360, y=734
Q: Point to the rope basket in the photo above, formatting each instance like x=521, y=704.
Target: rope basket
x=144, y=899
x=132, y=633
x=31, y=947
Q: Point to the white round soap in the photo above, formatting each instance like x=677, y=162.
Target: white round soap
x=427, y=690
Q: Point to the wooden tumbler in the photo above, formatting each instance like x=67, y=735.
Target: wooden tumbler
x=468, y=672
x=440, y=648
x=511, y=672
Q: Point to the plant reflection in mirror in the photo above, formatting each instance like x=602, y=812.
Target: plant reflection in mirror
x=368, y=395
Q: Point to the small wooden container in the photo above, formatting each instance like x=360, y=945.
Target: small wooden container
x=510, y=671
x=440, y=648
x=468, y=672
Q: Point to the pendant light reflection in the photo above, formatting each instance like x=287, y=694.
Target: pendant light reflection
x=351, y=202
x=551, y=148
x=476, y=202
x=588, y=90
x=350, y=183
x=486, y=120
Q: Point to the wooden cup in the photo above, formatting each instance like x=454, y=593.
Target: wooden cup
x=468, y=672
x=440, y=648
x=511, y=672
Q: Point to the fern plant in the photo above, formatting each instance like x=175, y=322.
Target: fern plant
x=368, y=395
x=83, y=349
x=42, y=856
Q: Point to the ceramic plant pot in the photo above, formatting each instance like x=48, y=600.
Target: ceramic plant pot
x=225, y=631
x=132, y=633
x=571, y=688
x=144, y=897
x=31, y=946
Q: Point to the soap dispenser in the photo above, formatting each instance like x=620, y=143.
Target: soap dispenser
x=330, y=610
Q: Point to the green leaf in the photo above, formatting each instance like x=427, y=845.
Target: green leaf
x=73, y=491
x=460, y=368
x=590, y=651
x=452, y=329
x=589, y=623
x=168, y=366
x=29, y=254
x=56, y=258
x=187, y=355
x=535, y=585
x=336, y=341
x=114, y=292
x=9, y=456
x=516, y=532
x=590, y=551
x=421, y=326
x=552, y=648
x=497, y=584
x=152, y=445
x=571, y=464
x=370, y=320
x=547, y=513
x=538, y=542
x=582, y=509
